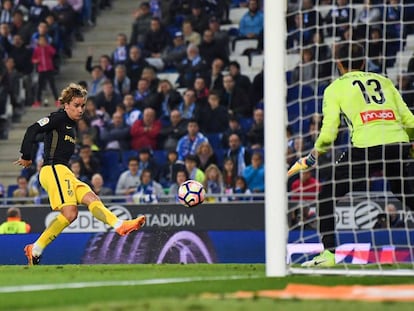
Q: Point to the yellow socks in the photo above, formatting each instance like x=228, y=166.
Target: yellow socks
x=52, y=231
x=100, y=212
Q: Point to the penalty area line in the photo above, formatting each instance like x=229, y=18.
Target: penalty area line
x=75, y=285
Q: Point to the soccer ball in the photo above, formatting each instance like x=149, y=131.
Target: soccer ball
x=191, y=193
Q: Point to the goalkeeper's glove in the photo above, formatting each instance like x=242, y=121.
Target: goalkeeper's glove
x=302, y=164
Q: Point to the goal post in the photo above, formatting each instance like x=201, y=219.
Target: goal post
x=275, y=138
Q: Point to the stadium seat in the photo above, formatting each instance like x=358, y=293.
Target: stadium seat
x=256, y=62
x=242, y=45
x=246, y=123
x=243, y=60
x=111, y=168
x=292, y=60
x=160, y=157
x=214, y=139
x=170, y=76
x=236, y=14
x=10, y=190
x=126, y=155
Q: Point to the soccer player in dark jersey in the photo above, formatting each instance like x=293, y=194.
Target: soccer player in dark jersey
x=380, y=125
x=64, y=189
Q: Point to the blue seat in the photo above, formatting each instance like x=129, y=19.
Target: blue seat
x=110, y=166
x=160, y=157
x=126, y=155
x=214, y=139
x=246, y=123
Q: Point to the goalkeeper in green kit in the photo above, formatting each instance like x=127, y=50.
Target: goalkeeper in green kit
x=380, y=125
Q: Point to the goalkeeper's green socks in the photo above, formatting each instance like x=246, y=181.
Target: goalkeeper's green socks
x=52, y=231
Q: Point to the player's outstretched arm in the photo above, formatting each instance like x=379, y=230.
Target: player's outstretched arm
x=302, y=164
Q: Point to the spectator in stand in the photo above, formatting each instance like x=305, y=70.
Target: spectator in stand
x=168, y=99
x=135, y=64
x=305, y=72
x=168, y=171
x=240, y=187
x=120, y=54
x=6, y=39
x=376, y=57
x=65, y=16
x=148, y=191
x=190, y=36
x=142, y=94
x=205, y=155
x=104, y=62
x=89, y=163
x=198, y=16
x=13, y=81
x=23, y=191
x=14, y=223
x=37, y=13
x=34, y=184
x=229, y=179
x=107, y=99
x=210, y=49
x=394, y=31
x=176, y=53
x=255, y=174
x=141, y=24
x=22, y=57
x=157, y=39
x=180, y=177
x=42, y=57
x=241, y=81
x=214, y=77
x=146, y=161
x=221, y=37
x=406, y=87
x=20, y=27
x=255, y=136
x=6, y=15
x=213, y=183
x=170, y=134
x=369, y=16
x=309, y=138
x=97, y=183
x=201, y=90
x=323, y=55
x=115, y=135
x=42, y=30
x=122, y=84
x=306, y=187
x=191, y=67
x=149, y=73
x=55, y=33
x=257, y=90
x=129, y=180
x=96, y=118
x=238, y=153
x=98, y=79
x=214, y=118
x=233, y=127
x=338, y=17
x=252, y=22
x=144, y=133
x=132, y=113
x=188, y=106
x=189, y=143
x=235, y=99
x=193, y=171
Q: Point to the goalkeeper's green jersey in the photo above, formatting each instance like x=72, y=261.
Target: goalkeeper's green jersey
x=373, y=109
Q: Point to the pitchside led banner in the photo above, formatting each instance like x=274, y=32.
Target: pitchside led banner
x=176, y=235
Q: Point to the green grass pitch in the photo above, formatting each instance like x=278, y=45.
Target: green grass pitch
x=166, y=288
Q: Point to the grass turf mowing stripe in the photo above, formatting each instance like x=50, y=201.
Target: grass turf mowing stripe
x=44, y=287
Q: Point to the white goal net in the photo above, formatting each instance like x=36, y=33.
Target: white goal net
x=374, y=229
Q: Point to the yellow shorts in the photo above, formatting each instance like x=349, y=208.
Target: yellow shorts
x=62, y=186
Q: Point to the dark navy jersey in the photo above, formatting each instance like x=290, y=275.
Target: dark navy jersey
x=59, y=138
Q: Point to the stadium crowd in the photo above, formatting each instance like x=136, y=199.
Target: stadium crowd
x=172, y=101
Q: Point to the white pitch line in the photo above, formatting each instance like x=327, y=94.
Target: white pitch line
x=43, y=287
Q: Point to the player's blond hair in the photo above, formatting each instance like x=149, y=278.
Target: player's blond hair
x=71, y=91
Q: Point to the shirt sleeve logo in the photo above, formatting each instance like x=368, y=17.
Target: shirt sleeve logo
x=43, y=121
